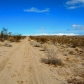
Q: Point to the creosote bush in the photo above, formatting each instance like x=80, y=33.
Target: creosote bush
x=52, y=59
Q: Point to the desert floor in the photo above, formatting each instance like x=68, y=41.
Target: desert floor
x=22, y=64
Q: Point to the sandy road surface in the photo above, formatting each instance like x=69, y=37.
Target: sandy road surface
x=22, y=66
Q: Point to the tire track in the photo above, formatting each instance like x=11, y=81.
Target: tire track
x=4, y=62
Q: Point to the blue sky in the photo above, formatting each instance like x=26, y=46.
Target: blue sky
x=42, y=16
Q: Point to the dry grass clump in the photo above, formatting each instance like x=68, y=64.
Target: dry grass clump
x=79, y=72
x=36, y=44
x=7, y=45
x=82, y=75
x=52, y=59
x=75, y=81
x=64, y=46
x=78, y=76
x=45, y=47
x=78, y=49
x=71, y=51
x=68, y=59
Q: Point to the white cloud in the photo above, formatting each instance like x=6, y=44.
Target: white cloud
x=72, y=7
x=78, y=27
x=59, y=34
x=68, y=34
x=73, y=4
x=33, y=9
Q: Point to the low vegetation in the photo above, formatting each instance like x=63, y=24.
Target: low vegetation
x=75, y=81
x=72, y=41
x=7, y=45
x=5, y=35
x=35, y=43
x=52, y=59
x=66, y=52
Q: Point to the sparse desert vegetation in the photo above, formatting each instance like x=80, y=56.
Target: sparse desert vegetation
x=5, y=35
x=41, y=41
x=66, y=52
x=72, y=41
x=41, y=61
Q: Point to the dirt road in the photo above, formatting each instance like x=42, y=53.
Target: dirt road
x=22, y=65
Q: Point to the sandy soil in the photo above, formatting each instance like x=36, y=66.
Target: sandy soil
x=21, y=64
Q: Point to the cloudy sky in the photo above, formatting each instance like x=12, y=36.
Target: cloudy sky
x=42, y=16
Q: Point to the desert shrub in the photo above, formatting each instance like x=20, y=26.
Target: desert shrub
x=16, y=38
x=43, y=40
x=31, y=37
x=2, y=39
x=78, y=49
x=36, y=44
x=75, y=81
x=82, y=75
x=7, y=45
x=71, y=51
x=52, y=59
x=79, y=72
x=23, y=37
x=65, y=54
x=11, y=39
x=45, y=47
